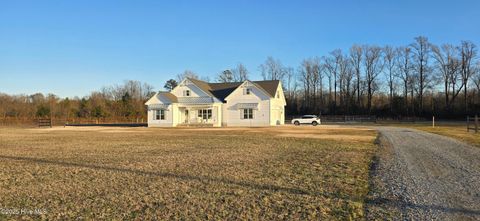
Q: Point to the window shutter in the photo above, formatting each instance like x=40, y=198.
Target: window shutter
x=241, y=113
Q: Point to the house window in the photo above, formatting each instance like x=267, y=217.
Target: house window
x=205, y=114
x=186, y=93
x=159, y=114
x=278, y=95
x=246, y=91
x=247, y=113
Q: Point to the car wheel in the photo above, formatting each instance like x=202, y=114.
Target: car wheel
x=314, y=123
x=296, y=123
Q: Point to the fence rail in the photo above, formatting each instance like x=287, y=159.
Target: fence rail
x=363, y=119
x=472, y=123
x=34, y=122
x=44, y=122
x=348, y=118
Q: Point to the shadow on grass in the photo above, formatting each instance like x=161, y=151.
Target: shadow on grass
x=384, y=202
x=376, y=202
x=188, y=177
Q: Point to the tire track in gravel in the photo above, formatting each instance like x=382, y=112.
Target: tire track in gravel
x=422, y=176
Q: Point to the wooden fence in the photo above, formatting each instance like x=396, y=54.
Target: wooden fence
x=472, y=123
x=44, y=122
x=349, y=118
x=34, y=122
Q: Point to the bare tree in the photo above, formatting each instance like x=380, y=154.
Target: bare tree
x=332, y=64
x=373, y=67
x=240, y=73
x=272, y=69
x=405, y=69
x=321, y=76
x=225, y=76
x=452, y=77
x=448, y=65
x=346, y=74
x=356, y=54
x=476, y=80
x=310, y=77
x=290, y=86
x=316, y=80
x=306, y=75
x=421, y=49
x=390, y=63
x=187, y=74
x=468, y=53
x=327, y=64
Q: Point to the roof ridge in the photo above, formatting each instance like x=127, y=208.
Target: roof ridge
x=220, y=90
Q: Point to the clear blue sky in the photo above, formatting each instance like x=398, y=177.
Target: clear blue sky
x=74, y=47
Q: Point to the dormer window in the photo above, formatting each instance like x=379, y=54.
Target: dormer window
x=186, y=93
x=246, y=91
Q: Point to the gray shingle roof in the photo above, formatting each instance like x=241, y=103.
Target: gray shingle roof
x=172, y=98
x=219, y=91
x=222, y=90
x=195, y=100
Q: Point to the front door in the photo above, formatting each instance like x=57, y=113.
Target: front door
x=186, y=116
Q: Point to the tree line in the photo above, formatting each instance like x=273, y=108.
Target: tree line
x=124, y=102
x=419, y=79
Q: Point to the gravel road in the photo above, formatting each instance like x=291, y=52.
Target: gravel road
x=423, y=176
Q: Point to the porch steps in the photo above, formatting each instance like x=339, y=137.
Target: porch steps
x=195, y=125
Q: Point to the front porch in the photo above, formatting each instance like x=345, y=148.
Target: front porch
x=199, y=115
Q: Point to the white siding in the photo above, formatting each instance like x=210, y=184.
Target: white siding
x=194, y=90
x=277, y=108
x=217, y=114
x=168, y=122
x=232, y=115
x=269, y=111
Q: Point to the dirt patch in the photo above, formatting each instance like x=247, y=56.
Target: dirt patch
x=362, y=138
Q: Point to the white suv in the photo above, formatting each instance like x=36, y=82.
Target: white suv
x=306, y=119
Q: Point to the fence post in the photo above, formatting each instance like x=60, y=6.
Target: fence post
x=468, y=124
x=476, y=123
x=433, y=121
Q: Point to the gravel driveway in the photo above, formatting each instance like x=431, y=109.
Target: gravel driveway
x=423, y=176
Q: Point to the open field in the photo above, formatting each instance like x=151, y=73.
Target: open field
x=456, y=130
x=140, y=173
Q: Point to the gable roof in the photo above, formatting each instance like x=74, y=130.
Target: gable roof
x=204, y=86
x=157, y=97
x=222, y=90
x=172, y=98
x=269, y=86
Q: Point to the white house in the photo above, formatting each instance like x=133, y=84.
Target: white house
x=195, y=102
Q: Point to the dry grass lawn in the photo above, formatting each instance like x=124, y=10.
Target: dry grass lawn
x=145, y=173
x=454, y=130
